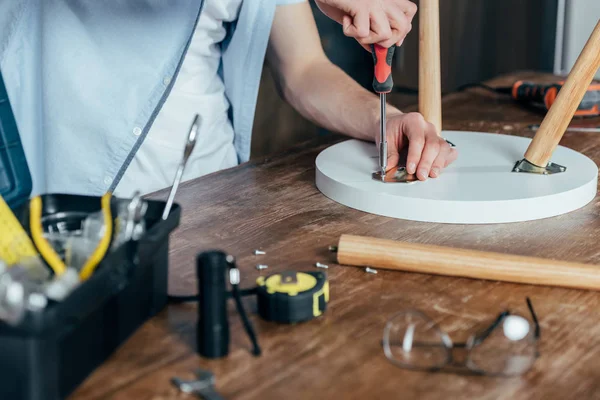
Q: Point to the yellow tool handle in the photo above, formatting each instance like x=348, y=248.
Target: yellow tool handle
x=15, y=244
x=100, y=251
x=37, y=234
x=49, y=254
x=438, y=260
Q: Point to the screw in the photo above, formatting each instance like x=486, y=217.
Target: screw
x=319, y=265
x=333, y=249
x=370, y=270
x=261, y=266
x=259, y=252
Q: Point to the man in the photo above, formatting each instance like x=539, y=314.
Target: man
x=104, y=93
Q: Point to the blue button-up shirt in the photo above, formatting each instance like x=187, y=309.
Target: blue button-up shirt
x=87, y=78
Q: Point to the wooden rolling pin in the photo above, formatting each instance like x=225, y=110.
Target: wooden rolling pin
x=430, y=80
x=438, y=260
x=569, y=97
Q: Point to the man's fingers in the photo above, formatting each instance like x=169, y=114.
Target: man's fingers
x=414, y=125
x=409, y=8
x=393, y=157
x=452, y=155
x=430, y=152
x=440, y=161
x=380, y=30
x=358, y=26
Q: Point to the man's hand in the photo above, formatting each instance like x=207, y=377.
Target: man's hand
x=428, y=154
x=385, y=22
x=324, y=94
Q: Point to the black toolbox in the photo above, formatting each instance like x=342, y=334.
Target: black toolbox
x=50, y=353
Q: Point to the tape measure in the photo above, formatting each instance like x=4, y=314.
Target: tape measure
x=292, y=297
x=15, y=244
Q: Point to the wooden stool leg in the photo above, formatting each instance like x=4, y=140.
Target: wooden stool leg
x=438, y=260
x=430, y=81
x=569, y=97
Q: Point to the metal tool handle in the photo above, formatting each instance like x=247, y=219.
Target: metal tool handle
x=189, y=146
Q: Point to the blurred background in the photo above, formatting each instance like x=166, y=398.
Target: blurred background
x=479, y=40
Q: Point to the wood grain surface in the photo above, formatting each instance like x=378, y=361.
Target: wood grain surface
x=273, y=204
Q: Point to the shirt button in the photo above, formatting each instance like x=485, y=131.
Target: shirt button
x=167, y=80
x=107, y=180
x=137, y=131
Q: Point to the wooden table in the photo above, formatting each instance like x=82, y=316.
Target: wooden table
x=273, y=204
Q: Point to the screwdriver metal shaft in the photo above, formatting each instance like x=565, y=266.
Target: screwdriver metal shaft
x=189, y=146
x=383, y=151
x=382, y=84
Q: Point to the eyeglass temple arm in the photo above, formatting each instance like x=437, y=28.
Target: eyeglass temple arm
x=487, y=332
x=534, y=317
x=483, y=335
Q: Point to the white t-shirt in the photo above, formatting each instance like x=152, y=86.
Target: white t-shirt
x=198, y=89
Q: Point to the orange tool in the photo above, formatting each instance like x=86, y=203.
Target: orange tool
x=544, y=96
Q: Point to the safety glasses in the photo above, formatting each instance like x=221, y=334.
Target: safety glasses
x=508, y=347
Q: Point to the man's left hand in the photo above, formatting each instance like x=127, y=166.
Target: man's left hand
x=428, y=153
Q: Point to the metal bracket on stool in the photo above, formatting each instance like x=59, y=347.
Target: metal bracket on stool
x=395, y=175
x=528, y=167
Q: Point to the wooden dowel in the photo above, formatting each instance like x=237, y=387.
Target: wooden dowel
x=569, y=97
x=430, y=79
x=438, y=260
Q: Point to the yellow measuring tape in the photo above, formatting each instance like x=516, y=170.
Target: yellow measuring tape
x=15, y=244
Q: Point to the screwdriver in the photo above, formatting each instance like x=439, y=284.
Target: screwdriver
x=382, y=84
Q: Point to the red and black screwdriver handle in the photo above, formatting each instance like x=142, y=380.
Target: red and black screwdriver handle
x=382, y=57
x=544, y=95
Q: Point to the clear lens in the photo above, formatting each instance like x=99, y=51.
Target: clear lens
x=411, y=339
x=510, y=349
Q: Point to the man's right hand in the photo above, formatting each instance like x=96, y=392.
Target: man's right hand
x=385, y=22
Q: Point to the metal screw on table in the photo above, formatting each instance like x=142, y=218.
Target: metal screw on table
x=319, y=265
x=370, y=270
x=259, y=252
x=261, y=267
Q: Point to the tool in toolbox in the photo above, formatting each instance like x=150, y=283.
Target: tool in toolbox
x=50, y=255
x=189, y=147
x=285, y=297
x=21, y=270
x=382, y=84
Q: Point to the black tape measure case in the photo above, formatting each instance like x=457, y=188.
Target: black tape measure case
x=292, y=297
